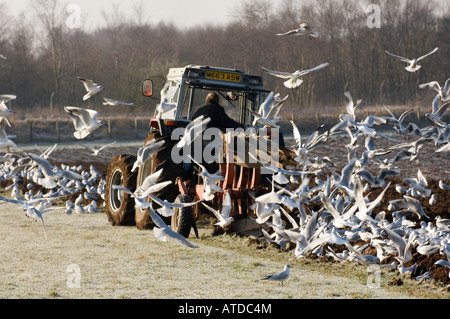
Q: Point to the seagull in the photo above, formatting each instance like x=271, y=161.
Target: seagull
x=4, y=110
x=210, y=181
x=304, y=29
x=84, y=120
x=413, y=66
x=140, y=198
x=5, y=142
x=32, y=208
x=279, y=276
x=3, y=57
x=97, y=151
x=224, y=215
x=112, y=102
x=167, y=208
x=145, y=152
x=91, y=87
x=437, y=115
x=51, y=173
x=164, y=106
x=268, y=111
x=294, y=80
x=193, y=130
x=443, y=92
x=162, y=231
x=350, y=106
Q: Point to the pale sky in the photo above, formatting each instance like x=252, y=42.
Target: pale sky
x=183, y=13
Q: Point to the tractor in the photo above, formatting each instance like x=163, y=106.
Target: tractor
x=185, y=88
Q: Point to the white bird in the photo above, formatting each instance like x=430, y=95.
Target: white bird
x=97, y=151
x=267, y=114
x=3, y=57
x=350, y=107
x=436, y=116
x=84, y=120
x=162, y=231
x=304, y=29
x=5, y=142
x=145, y=152
x=413, y=66
x=432, y=201
x=280, y=276
x=51, y=173
x=91, y=87
x=210, y=181
x=193, y=130
x=140, y=198
x=294, y=79
x=4, y=110
x=167, y=208
x=112, y=102
x=443, y=92
x=224, y=215
x=164, y=105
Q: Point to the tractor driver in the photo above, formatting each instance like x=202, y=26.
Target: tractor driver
x=216, y=113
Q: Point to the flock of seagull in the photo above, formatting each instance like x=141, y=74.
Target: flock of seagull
x=345, y=217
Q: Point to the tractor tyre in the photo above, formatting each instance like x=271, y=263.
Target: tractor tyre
x=119, y=204
x=183, y=218
x=159, y=160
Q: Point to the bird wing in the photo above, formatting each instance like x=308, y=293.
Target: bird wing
x=215, y=212
x=321, y=66
x=283, y=75
x=88, y=84
x=399, y=57
x=297, y=135
x=151, y=179
x=72, y=111
x=226, y=205
x=433, y=85
x=179, y=238
x=424, y=56
x=107, y=145
x=289, y=32
x=446, y=88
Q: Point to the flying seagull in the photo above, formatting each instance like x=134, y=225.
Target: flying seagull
x=413, y=66
x=293, y=79
x=304, y=29
x=145, y=152
x=112, y=102
x=224, y=215
x=84, y=120
x=97, y=151
x=91, y=87
x=162, y=231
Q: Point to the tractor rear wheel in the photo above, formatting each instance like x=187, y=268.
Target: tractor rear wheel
x=182, y=219
x=170, y=172
x=119, y=204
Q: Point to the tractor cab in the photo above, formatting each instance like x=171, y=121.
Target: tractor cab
x=186, y=88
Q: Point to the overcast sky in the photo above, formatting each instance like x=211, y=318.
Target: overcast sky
x=183, y=13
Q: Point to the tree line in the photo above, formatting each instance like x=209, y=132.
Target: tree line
x=45, y=55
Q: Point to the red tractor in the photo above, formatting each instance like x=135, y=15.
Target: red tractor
x=186, y=88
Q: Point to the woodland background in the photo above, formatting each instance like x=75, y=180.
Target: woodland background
x=45, y=56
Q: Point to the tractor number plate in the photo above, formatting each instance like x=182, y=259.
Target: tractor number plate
x=222, y=76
